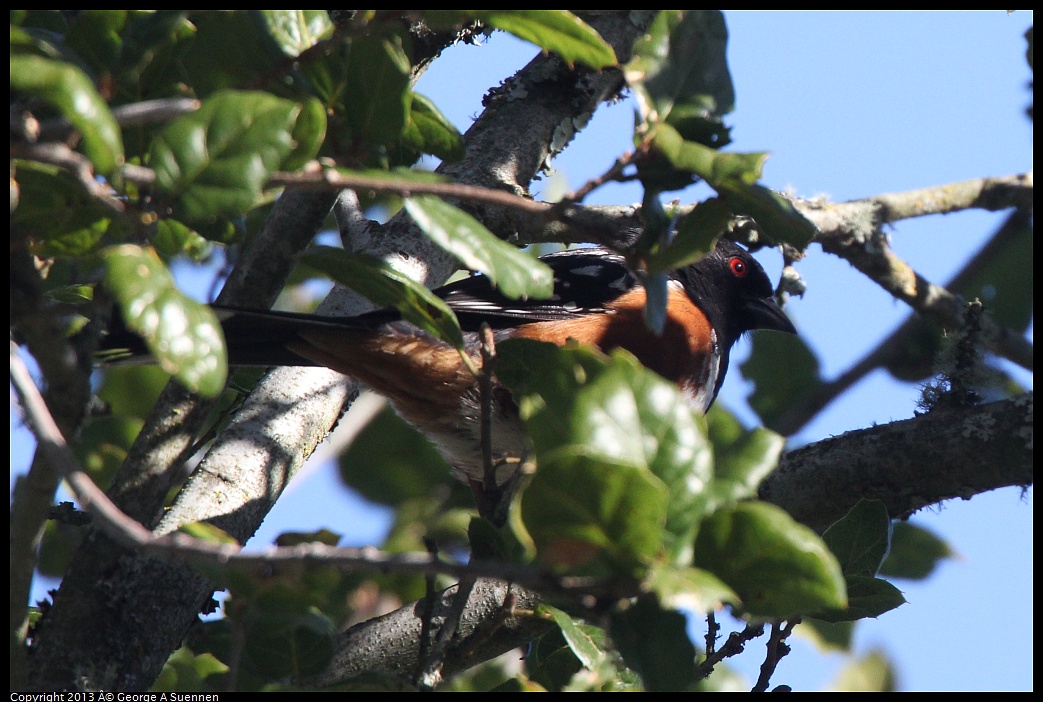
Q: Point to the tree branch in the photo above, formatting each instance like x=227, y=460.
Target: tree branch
x=908, y=464
x=852, y=231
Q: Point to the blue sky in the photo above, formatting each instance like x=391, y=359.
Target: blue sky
x=850, y=105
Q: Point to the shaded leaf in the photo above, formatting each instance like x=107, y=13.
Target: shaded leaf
x=867, y=597
x=386, y=287
x=294, y=538
x=573, y=399
x=915, y=552
x=377, y=73
x=428, y=131
x=654, y=642
x=696, y=236
x=784, y=371
x=591, y=516
x=400, y=463
x=679, y=73
x=861, y=539
x=778, y=567
x=62, y=217
x=285, y=636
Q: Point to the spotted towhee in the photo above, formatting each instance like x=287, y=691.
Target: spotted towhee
x=597, y=300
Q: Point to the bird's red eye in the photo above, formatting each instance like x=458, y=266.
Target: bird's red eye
x=738, y=267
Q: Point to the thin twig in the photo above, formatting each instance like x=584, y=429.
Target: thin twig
x=733, y=646
x=78, y=165
x=852, y=231
x=713, y=629
x=777, y=649
x=337, y=180
x=134, y=114
x=614, y=173
x=116, y=524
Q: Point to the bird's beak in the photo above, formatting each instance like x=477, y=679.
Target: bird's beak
x=767, y=314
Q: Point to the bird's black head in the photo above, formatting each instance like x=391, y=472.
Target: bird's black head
x=734, y=292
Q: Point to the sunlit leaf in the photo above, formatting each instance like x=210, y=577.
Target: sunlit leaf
x=558, y=31
x=516, y=274
x=215, y=161
x=183, y=335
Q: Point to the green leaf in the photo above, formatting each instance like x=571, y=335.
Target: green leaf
x=861, y=539
x=655, y=643
x=309, y=133
x=828, y=637
x=173, y=238
x=591, y=516
x=295, y=538
x=215, y=161
x=785, y=373
x=386, y=287
x=679, y=74
x=377, y=74
x=697, y=234
x=559, y=31
x=691, y=589
x=67, y=88
x=132, y=390
x=215, y=62
x=207, y=532
x=103, y=444
x=63, y=219
x=915, y=552
x=574, y=399
x=774, y=214
x=999, y=273
x=397, y=462
x=778, y=567
x=743, y=462
x=515, y=273
x=867, y=597
x=186, y=672
x=577, y=638
x=183, y=335
x=733, y=176
x=428, y=131
x=296, y=31
x=95, y=36
x=150, y=64
x=285, y=636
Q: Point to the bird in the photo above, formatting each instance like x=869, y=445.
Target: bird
x=596, y=300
